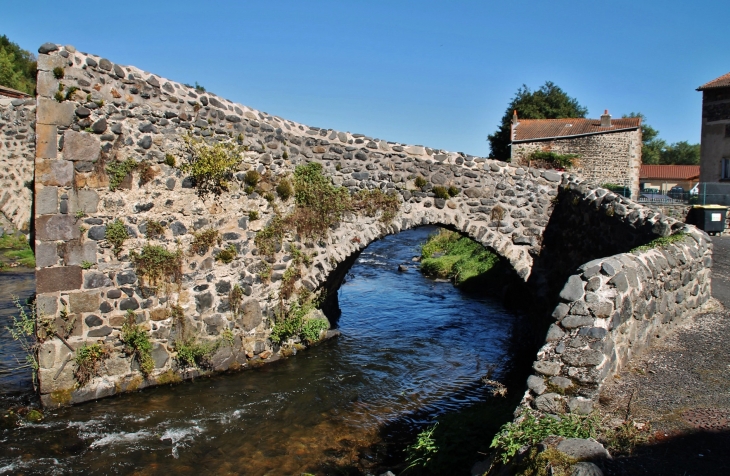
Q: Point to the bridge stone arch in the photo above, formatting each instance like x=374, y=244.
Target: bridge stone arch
x=103, y=115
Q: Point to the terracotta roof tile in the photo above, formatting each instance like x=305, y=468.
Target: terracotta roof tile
x=678, y=172
x=12, y=93
x=721, y=82
x=532, y=129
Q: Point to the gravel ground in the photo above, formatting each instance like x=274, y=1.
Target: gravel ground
x=681, y=388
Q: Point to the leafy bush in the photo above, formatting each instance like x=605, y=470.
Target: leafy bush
x=419, y=182
x=425, y=447
x=440, y=192
x=88, y=362
x=285, y=190
x=535, y=427
x=191, y=353
x=453, y=191
x=154, y=229
x=118, y=171
x=373, y=201
x=312, y=329
x=155, y=264
x=252, y=178
x=319, y=204
x=227, y=255
x=116, y=234
x=553, y=159
x=204, y=240
x=292, y=323
x=211, y=167
x=137, y=343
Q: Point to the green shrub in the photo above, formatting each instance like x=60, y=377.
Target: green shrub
x=253, y=215
x=204, y=240
x=288, y=281
x=227, y=255
x=312, y=329
x=269, y=197
x=154, y=229
x=440, y=192
x=535, y=427
x=116, y=234
x=137, y=343
x=420, y=182
x=156, y=264
x=269, y=238
x=170, y=160
x=58, y=72
x=553, y=159
x=191, y=353
x=285, y=190
x=370, y=202
x=419, y=454
x=453, y=191
x=89, y=359
x=118, y=171
x=252, y=178
x=86, y=264
x=211, y=167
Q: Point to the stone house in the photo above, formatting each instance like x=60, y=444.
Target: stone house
x=608, y=150
x=715, y=142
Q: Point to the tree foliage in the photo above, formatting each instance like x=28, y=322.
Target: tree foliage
x=17, y=66
x=656, y=151
x=548, y=102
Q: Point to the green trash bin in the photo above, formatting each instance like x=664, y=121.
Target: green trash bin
x=710, y=218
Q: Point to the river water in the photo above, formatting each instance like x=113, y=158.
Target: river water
x=410, y=350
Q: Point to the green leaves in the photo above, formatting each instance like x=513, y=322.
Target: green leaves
x=116, y=234
x=548, y=102
x=535, y=427
x=138, y=344
x=211, y=167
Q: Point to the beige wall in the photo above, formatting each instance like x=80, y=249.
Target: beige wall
x=714, y=144
x=604, y=158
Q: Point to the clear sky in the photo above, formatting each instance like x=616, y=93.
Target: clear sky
x=438, y=74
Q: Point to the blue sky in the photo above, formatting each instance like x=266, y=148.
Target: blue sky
x=438, y=74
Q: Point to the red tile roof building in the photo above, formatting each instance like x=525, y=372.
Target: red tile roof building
x=608, y=150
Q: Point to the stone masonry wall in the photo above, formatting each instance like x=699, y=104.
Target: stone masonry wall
x=17, y=153
x=120, y=112
x=613, y=157
x=614, y=306
x=541, y=221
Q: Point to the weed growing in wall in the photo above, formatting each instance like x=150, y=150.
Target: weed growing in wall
x=204, y=240
x=154, y=229
x=227, y=255
x=419, y=182
x=191, y=353
x=547, y=159
x=235, y=298
x=156, y=264
x=535, y=427
x=118, y=171
x=293, y=322
x=211, y=167
x=170, y=160
x=116, y=235
x=58, y=72
x=370, y=202
x=661, y=242
x=285, y=190
x=137, y=343
x=89, y=360
x=252, y=178
x=146, y=172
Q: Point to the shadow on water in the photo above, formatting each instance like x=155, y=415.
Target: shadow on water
x=15, y=384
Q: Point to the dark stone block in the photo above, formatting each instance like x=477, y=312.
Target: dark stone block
x=105, y=307
x=93, y=321
x=204, y=301
x=66, y=278
x=223, y=287
x=96, y=280
x=114, y=294
x=178, y=228
x=128, y=303
x=100, y=332
x=126, y=277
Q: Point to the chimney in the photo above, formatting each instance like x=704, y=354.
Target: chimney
x=606, y=119
x=514, y=117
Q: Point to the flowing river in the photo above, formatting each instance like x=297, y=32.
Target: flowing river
x=411, y=349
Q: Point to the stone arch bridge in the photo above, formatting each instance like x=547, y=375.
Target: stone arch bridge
x=96, y=113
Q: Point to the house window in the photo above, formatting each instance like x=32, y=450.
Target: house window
x=725, y=169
